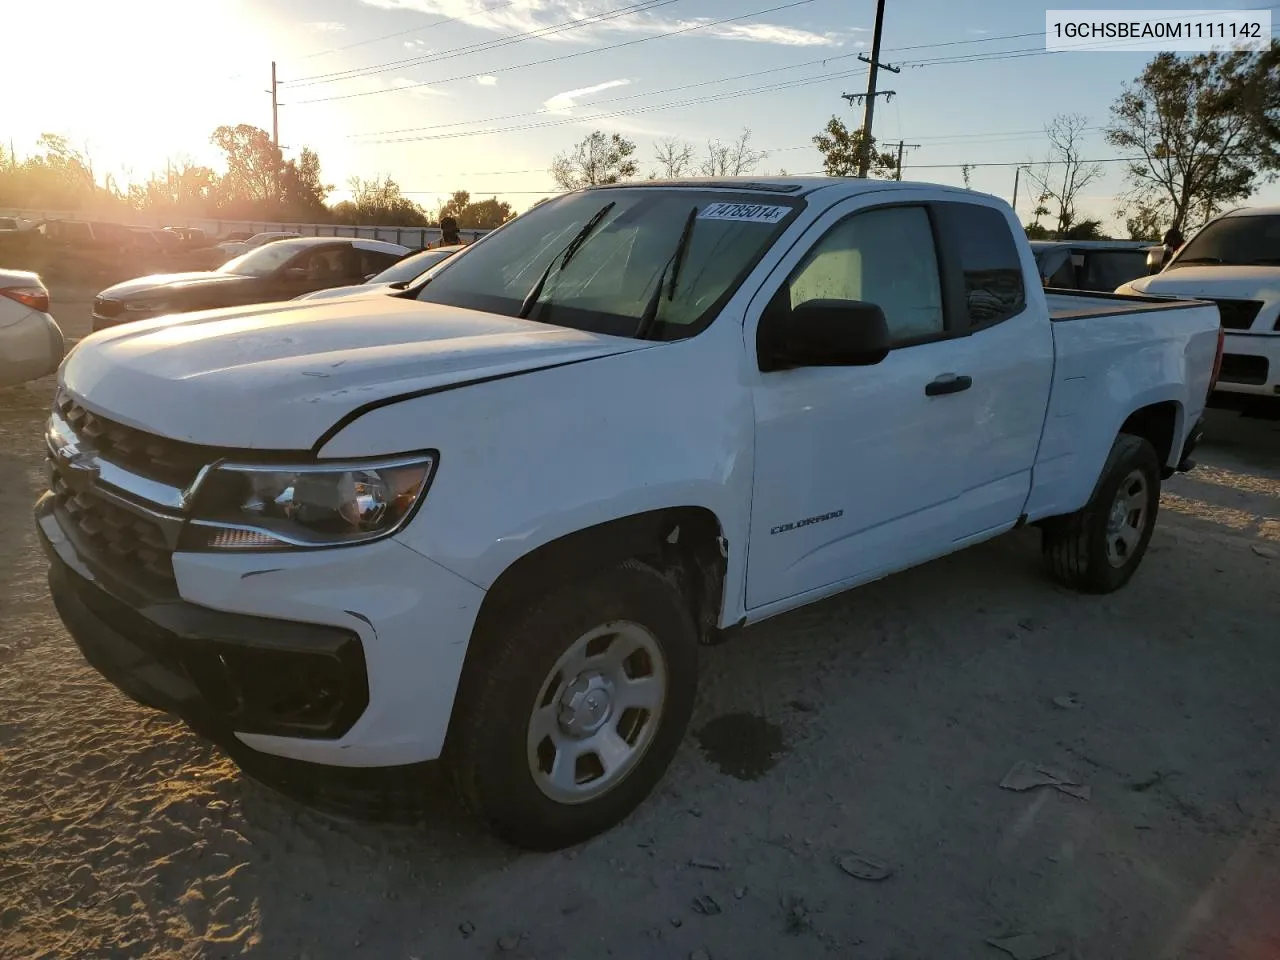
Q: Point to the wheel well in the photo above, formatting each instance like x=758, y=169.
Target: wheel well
x=1155, y=424
x=685, y=543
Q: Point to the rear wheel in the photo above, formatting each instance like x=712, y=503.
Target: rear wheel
x=569, y=712
x=1098, y=549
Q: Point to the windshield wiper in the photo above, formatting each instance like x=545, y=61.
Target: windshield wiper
x=674, y=262
x=1185, y=260
x=1265, y=262
x=563, y=257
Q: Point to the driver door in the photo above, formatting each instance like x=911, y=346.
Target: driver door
x=318, y=268
x=854, y=466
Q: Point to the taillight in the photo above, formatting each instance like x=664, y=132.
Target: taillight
x=37, y=298
x=1217, y=360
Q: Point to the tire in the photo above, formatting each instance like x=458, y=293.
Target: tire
x=539, y=673
x=1084, y=551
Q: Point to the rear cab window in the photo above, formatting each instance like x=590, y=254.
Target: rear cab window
x=983, y=263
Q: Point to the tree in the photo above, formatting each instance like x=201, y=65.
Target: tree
x=1141, y=221
x=966, y=171
x=1084, y=230
x=1206, y=129
x=253, y=163
x=731, y=159
x=479, y=215
x=59, y=177
x=380, y=202
x=674, y=158
x=1064, y=174
x=184, y=186
x=302, y=193
x=841, y=150
x=597, y=159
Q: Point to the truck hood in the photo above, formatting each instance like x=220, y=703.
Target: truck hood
x=277, y=376
x=1233, y=283
x=163, y=283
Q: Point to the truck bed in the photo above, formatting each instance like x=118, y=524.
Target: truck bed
x=1079, y=304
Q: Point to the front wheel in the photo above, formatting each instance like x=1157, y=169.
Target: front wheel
x=569, y=714
x=1098, y=549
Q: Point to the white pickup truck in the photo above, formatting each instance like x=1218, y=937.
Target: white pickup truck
x=1234, y=261
x=491, y=518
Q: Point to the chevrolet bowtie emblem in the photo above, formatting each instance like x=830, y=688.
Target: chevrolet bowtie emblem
x=79, y=467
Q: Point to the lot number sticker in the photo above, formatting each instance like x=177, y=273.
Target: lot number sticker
x=746, y=212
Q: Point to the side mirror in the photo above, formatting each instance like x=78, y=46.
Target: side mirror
x=821, y=333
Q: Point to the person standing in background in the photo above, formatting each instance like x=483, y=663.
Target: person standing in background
x=449, y=236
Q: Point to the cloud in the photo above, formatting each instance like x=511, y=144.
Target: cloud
x=327, y=26
x=487, y=81
x=522, y=16
x=563, y=103
x=773, y=33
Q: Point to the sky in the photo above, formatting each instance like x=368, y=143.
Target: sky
x=480, y=95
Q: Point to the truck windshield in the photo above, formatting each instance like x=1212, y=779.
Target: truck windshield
x=1234, y=241
x=609, y=279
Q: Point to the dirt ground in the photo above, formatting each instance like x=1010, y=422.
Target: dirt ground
x=879, y=723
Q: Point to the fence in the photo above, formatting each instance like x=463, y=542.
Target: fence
x=412, y=237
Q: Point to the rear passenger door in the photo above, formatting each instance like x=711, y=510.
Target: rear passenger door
x=1006, y=358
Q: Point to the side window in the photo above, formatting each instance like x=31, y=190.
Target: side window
x=1065, y=275
x=980, y=241
x=373, y=261
x=1107, y=269
x=885, y=257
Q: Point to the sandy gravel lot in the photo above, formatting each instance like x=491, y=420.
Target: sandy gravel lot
x=879, y=723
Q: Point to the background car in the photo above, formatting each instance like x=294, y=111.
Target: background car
x=396, y=277
x=9, y=225
x=280, y=270
x=31, y=344
x=235, y=248
x=1097, y=265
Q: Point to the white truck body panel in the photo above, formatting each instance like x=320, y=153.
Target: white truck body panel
x=545, y=431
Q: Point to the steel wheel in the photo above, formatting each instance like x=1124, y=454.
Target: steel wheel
x=1126, y=519
x=597, y=712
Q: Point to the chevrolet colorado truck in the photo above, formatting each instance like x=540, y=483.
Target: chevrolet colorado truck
x=490, y=519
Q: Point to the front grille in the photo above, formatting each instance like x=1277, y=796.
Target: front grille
x=1240, y=368
x=157, y=458
x=119, y=539
x=107, y=308
x=1237, y=314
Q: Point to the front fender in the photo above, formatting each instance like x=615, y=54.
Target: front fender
x=527, y=459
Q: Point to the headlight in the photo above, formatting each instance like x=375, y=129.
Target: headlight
x=263, y=507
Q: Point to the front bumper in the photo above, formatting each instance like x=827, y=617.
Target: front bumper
x=346, y=657
x=1250, y=364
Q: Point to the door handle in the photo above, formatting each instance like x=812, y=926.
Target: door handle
x=947, y=383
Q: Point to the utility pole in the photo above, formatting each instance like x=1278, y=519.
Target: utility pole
x=275, y=128
x=869, y=98
x=1017, y=173
x=901, y=147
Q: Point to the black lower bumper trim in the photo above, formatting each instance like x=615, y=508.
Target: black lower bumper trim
x=223, y=673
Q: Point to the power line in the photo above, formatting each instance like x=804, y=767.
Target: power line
x=643, y=6
x=565, y=56
x=617, y=99
x=768, y=88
